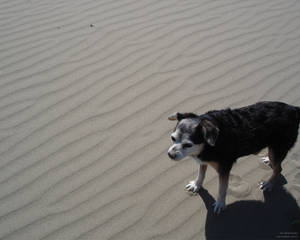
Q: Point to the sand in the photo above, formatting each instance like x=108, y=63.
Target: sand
x=86, y=88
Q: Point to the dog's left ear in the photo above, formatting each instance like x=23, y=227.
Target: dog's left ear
x=175, y=116
x=210, y=132
x=179, y=116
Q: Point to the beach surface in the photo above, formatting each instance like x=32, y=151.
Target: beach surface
x=86, y=88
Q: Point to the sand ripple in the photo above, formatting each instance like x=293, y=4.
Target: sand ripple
x=85, y=91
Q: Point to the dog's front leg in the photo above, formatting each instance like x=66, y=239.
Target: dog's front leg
x=220, y=205
x=194, y=186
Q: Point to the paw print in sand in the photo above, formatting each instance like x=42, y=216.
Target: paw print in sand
x=238, y=187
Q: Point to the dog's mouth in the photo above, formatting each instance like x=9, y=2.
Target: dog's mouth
x=175, y=156
x=172, y=156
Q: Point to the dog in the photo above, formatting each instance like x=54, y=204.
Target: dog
x=218, y=138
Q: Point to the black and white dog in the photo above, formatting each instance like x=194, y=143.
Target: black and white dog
x=219, y=138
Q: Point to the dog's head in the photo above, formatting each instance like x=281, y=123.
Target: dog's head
x=190, y=135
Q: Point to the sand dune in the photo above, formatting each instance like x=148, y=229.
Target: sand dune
x=85, y=91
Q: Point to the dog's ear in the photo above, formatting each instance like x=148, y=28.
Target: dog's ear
x=175, y=116
x=210, y=132
x=179, y=116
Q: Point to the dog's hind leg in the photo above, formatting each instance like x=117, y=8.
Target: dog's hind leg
x=275, y=158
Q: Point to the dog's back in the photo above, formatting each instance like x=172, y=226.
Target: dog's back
x=247, y=130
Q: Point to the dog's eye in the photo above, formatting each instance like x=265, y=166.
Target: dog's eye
x=187, y=145
x=173, y=138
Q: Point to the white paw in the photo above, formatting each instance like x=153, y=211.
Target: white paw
x=266, y=160
x=193, y=187
x=219, y=206
x=266, y=186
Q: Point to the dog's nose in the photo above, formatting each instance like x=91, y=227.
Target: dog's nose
x=170, y=155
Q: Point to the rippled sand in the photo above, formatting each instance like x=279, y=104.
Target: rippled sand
x=86, y=88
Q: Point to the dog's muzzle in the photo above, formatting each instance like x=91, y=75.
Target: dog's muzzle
x=174, y=153
x=172, y=156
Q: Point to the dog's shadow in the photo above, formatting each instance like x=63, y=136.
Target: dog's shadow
x=277, y=217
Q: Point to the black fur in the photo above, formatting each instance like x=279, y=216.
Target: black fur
x=248, y=130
